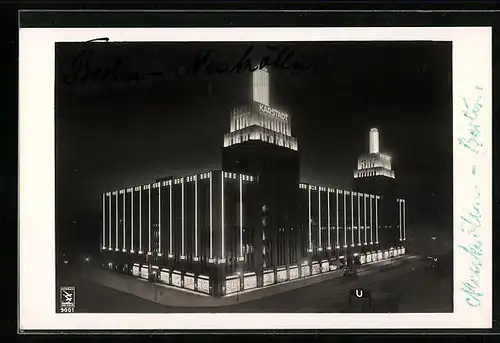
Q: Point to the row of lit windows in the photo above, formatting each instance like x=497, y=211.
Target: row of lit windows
x=367, y=173
x=205, y=175
x=239, y=138
x=373, y=163
x=234, y=175
x=342, y=227
x=279, y=126
x=256, y=134
x=388, y=173
x=331, y=190
x=377, y=164
x=178, y=181
x=270, y=138
x=247, y=178
x=191, y=178
x=274, y=124
x=229, y=175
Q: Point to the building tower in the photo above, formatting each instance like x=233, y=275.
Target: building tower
x=260, y=143
x=260, y=121
x=374, y=173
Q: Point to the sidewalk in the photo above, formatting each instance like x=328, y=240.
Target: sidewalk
x=171, y=296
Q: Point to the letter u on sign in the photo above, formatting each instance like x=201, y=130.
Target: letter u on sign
x=359, y=293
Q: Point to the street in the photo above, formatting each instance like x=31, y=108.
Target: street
x=410, y=286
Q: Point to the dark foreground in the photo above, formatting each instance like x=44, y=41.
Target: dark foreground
x=410, y=287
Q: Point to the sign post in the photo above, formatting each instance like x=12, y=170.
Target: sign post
x=360, y=298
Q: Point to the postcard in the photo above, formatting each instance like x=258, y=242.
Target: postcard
x=250, y=178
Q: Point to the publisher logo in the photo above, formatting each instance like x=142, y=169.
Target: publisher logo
x=67, y=299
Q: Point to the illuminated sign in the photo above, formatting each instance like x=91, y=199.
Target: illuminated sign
x=176, y=280
x=281, y=275
x=203, y=285
x=274, y=112
x=232, y=286
x=359, y=300
x=164, y=276
x=315, y=268
x=403, y=250
x=144, y=273
x=250, y=282
x=379, y=255
x=325, y=266
x=294, y=273
x=305, y=271
x=362, y=259
x=368, y=258
x=360, y=293
x=189, y=282
x=136, y=271
x=386, y=254
x=268, y=278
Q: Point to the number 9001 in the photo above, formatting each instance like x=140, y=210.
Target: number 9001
x=67, y=310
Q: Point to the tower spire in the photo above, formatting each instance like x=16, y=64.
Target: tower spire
x=260, y=86
x=374, y=141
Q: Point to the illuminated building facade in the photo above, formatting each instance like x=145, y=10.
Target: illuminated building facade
x=270, y=153
x=251, y=225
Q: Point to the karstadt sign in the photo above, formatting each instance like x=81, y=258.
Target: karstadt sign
x=274, y=112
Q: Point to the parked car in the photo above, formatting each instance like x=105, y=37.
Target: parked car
x=350, y=271
x=433, y=261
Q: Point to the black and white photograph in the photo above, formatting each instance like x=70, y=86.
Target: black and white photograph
x=260, y=177
x=255, y=177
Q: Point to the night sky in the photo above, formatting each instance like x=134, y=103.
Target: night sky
x=111, y=134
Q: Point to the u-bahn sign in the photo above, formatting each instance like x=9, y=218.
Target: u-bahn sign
x=360, y=300
x=360, y=293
